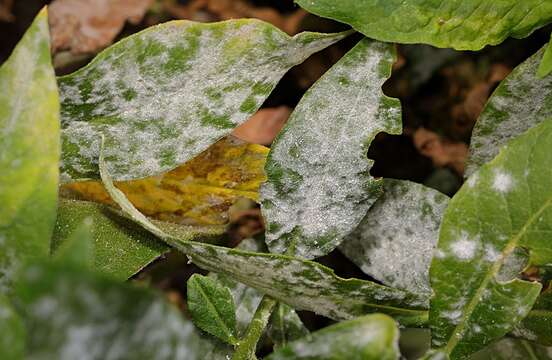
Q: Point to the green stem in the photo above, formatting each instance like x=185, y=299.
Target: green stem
x=247, y=346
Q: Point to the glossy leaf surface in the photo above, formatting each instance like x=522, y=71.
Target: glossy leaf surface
x=459, y=24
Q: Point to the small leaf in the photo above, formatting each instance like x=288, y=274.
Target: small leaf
x=372, y=337
x=12, y=340
x=394, y=243
x=319, y=186
x=293, y=281
x=512, y=349
x=120, y=248
x=545, y=66
x=72, y=313
x=285, y=326
x=520, y=102
x=537, y=326
x=163, y=95
x=199, y=192
x=463, y=25
x=505, y=205
x=29, y=151
x=212, y=307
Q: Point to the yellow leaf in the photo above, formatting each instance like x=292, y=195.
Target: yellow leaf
x=199, y=192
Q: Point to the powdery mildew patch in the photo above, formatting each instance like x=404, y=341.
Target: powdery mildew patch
x=319, y=186
x=164, y=95
x=394, y=242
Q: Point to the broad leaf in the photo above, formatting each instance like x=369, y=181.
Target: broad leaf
x=199, y=192
x=537, y=326
x=512, y=349
x=29, y=151
x=459, y=24
x=319, y=186
x=545, y=66
x=285, y=326
x=72, y=313
x=164, y=95
x=212, y=307
x=394, y=243
x=12, y=340
x=372, y=337
x=505, y=205
x=120, y=248
x=520, y=102
x=300, y=283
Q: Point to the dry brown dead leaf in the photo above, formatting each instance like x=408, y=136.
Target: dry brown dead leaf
x=263, y=127
x=443, y=152
x=87, y=26
x=5, y=11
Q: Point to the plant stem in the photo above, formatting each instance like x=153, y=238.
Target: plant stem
x=247, y=346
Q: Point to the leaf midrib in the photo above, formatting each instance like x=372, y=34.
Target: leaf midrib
x=510, y=247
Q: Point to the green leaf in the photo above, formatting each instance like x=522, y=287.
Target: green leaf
x=164, y=95
x=394, y=242
x=520, y=102
x=300, y=283
x=12, y=341
x=372, y=337
x=537, y=326
x=459, y=24
x=512, y=349
x=212, y=307
x=79, y=247
x=72, y=313
x=120, y=248
x=285, y=326
x=319, y=186
x=29, y=151
x=545, y=66
x=505, y=205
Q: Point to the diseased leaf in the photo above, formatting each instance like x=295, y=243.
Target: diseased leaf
x=12, y=341
x=73, y=313
x=520, y=102
x=537, y=326
x=505, y=205
x=120, y=248
x=285, y=326
x=512, y=349
x=300, y=283
x=372, y=337
x=212, y=307
x=545, y=66
x=319, y=186
x=463, y=25
x=162, y=96
x=199, y=192
x=29, y=151
x=394, y=243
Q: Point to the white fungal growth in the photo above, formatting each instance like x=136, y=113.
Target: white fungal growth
x=464, y=248
x=453, y=316
x=491, y=253
x=502, y=181
x=472, y=181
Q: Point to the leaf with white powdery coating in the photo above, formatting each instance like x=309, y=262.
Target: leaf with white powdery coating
x=459, y=24
x=319, y=186
x=394, y=243
x=372, y=337
x=537, y=326
x=164, y=95
x=505, y=205
x=513, y=349
x=29, y=151
x=300, y=283
x=520, y=102
x=212, y=307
